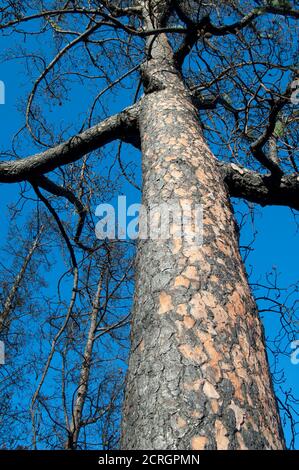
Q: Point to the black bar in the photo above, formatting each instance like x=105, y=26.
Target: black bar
x=133, y=459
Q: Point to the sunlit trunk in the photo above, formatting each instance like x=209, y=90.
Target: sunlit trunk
x=198, y=374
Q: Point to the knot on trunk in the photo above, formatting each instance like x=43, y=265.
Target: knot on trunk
x=152, y=79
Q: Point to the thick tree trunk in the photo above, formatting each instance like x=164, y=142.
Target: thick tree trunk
x=198, y=374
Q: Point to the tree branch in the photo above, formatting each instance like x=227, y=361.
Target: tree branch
x=195, y=30
x=53, y=188
x=261, y=189
x=248, y=19
x=121, y=126
x=119, y=11
x=257, y=147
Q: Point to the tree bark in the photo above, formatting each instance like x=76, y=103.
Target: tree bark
x=198, y=375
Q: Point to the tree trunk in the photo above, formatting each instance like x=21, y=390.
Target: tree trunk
x=198, y=375
x=81, y=394
x=11, y=298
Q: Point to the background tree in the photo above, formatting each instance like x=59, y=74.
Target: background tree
x=206, y=79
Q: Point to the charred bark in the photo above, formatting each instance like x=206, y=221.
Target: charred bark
x=198, y=374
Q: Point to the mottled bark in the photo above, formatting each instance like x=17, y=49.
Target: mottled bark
x=11, y=298
x=198, y=374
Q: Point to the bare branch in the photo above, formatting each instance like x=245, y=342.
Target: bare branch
x=257, y=147
x=248, y=20
x=55, y=189
x=259, y=188
x=121, y=126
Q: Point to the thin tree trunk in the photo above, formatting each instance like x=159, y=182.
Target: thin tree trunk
x=11, y=297
x=81, y=394
x=198, y=374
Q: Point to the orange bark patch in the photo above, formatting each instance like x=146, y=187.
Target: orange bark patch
x=191, y=273
x=213, y=374
x=189, y=322
x=269, y=436
x=237, y=384
x=180, y=329
x=244, y=344
x=225, y=247
x=241, y=442
x=238, y=359
x=198, y=442
x=214, y=406
x=214, y=355
x=201, y=175
x=263, y=393
x=183, y=141
x=181, y=281
x=169, y=158
x=193, y=253
x=193, y=354
x=196, y=414
x=182, y=309
x=239, y=415
x=221, y=436
x=165, y=303
x=220, y=316
x=206, y=299
x=193, y=386
x=181, y=192
x=176, y=174
x=198, y=309
x=181, y=422
x=235, y=306
x=208, y=344
x=209, y=299
x=253, y=423
x=186, y=204
x=210, y=391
